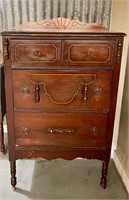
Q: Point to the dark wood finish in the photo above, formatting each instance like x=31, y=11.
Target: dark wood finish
x=13, y=173
x=2, y=104
x=103, y=181
x=41, y=51
x=60, y=129
x=61, y=89
x=97, y=52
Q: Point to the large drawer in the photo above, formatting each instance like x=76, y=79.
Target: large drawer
x=81, y=90
x=60, y=129
x=89, y=53
x=27, y=53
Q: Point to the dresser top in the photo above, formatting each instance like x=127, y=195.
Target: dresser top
x=60, y=26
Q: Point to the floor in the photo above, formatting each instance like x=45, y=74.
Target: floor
x=39, y=179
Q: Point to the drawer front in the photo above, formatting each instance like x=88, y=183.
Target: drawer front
x=89, y=53
x=80, y=90
x=27, y=53
x=60, y=129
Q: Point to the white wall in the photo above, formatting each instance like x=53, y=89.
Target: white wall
x=120, y=22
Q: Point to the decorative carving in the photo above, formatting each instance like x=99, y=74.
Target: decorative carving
x=13, y=174
x=119, y=50
x=103, y=181
x=60, y=130
x=61, y=23
x=81, y=86
x=5, y=47
x=28, y=154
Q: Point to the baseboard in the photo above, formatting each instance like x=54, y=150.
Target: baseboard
x=121, y=170
x=5, y=128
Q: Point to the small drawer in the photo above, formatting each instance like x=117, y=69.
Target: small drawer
x=81, y=90
x=60, y=129
x=29, y=53
x=89, y=53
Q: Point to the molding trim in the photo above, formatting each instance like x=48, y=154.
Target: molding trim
x=121, y=170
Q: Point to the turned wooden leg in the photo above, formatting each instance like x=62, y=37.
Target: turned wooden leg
x=2, y=146
x=13, y=174
x=103, y=181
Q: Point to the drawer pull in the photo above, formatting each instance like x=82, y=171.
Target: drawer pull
x=89, y=54
x=94, y=130
x=60, y=130
x=98, y=90
x=85, y=93
x=26, y=129
x=37, y=94
x=37, y=53
x=25, y=89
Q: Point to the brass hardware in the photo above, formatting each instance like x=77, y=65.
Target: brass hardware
x=17, y=145
x=25, y=89
x=94, y=130
x=37, y=95
x=89, y=54
x=98, y=90
x=60, y=130
x=37, y=53
x=85, y=93
x=26, y=129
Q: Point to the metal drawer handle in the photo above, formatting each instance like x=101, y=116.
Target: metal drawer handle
x=60, y=130
x=25, y=89
x=37, y=53
x=37, y=93
x=89, y=54
x=94, y=130
x=26, y=129
x=85, y=92
x=98, y=90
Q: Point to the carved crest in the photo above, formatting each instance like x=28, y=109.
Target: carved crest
x=61, y=23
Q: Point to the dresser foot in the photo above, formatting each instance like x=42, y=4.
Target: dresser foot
x=13, y=188
x=13, y=174
x=103, y=181
x=3, y=149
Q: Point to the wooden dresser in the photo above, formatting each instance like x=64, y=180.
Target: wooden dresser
x=61, y=90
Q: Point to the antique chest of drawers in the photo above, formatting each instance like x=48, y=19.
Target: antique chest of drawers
x=61, y=90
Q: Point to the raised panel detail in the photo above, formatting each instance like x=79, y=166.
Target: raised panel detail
x=68, y=129
x=37, y=52
x=98, y=53
x=62, y=90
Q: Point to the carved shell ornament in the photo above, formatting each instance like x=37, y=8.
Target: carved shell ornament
x=61, y=23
